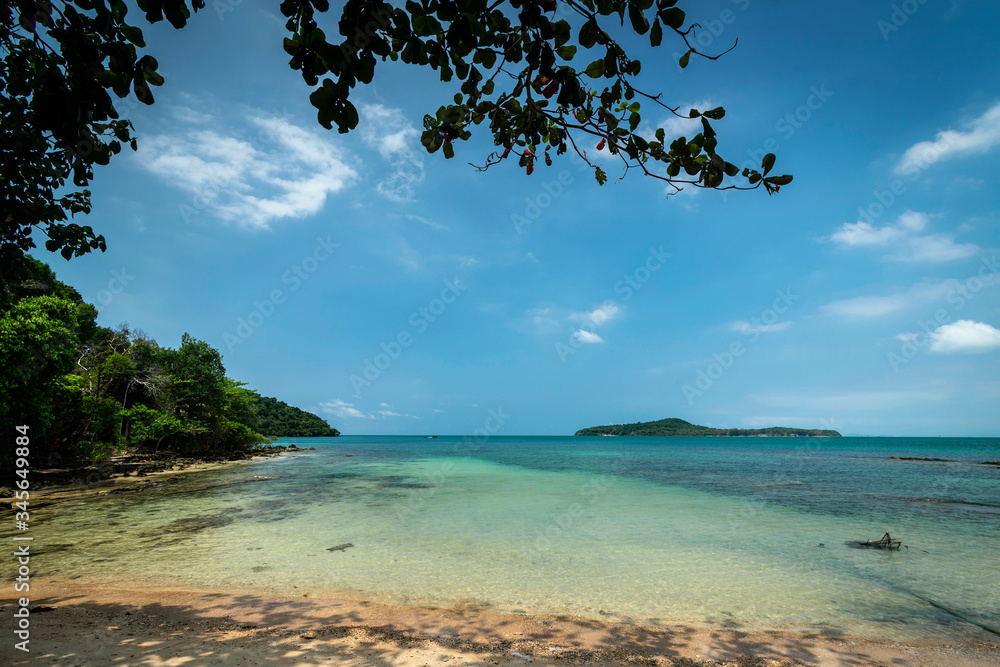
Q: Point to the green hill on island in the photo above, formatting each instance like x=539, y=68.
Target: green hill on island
x=678, y=427
x=280, y=419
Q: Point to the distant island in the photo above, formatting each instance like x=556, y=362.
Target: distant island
x=277, y=418
x=679, y=427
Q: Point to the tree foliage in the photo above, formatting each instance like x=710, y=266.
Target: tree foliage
x=542, y=77
x=673, y=426
x=279, y=419
x=87, y=391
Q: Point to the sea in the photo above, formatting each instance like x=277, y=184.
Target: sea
x=737, y=533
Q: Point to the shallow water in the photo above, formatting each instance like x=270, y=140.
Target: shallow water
x=706, y=530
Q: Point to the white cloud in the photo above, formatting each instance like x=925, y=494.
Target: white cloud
x=863, y=234
x=674, y=127
x=743, y=326
x=936, y=248
x=588, y=337
x=404, y=254
x=531, y=257
x=189, y=115
x=902, y=237
x=339, y=408
x=876, y=306
x=867, y=306
x=392, y=413
x=550, y=320
x=599, y=316
x=965, y=337
x=465, y=262
x=284, y=172
x=543, y=321
x=977, y=136
x=433, y=224
x=912, y=221
x=397, y=141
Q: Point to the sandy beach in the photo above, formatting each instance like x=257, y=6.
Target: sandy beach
x=97, y=626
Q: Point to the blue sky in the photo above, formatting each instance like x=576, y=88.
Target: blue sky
x=392, y=291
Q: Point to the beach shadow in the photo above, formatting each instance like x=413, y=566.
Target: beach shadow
x=174, y=628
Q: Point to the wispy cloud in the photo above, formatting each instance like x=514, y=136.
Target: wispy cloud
x=742, y=326
x=877, y=306
x=388, y=412
x=552, y=320
x=588, y=337
x=433, y=224
x=339, y=408
x=189, y=115
x=599, y=316
x=396, y=140
x=543, y=320
x=902, y=237
x=936, y=248
x=976, y=136
x=961, y=337
x=283, y=171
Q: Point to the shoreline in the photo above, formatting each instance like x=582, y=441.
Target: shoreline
x=130, y=474
x=128, y=624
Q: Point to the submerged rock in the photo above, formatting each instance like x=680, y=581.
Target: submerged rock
x=341, y=547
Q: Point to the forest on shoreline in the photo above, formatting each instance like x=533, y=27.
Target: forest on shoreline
x=88, y=392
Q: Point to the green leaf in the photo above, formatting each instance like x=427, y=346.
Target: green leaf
x=601, y=177
x=639, y=21
x=152, y=77
x=133, y=35
x=683, y=62
x=449, y=150
x=588, y=34
x=718, y=113
x=673, y=17
x=566, y=52
x=780, y=180
x=595, y=69
x=767, y=163
x=488, y=58
x=176, y=12
x=656, y=34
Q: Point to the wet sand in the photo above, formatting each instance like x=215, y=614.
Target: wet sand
x=131, y=625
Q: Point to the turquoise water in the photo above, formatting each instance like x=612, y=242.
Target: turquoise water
x=739, y=532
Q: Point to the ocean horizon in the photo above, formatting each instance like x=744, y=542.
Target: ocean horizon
x=735, y=532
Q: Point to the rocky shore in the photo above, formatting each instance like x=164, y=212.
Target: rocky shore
x=142, y=465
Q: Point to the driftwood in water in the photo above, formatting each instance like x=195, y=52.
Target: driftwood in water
x=885, y=543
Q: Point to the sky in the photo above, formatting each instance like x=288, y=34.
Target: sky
x=395, y=292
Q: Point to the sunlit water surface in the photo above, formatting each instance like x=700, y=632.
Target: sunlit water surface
x=738, y=532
